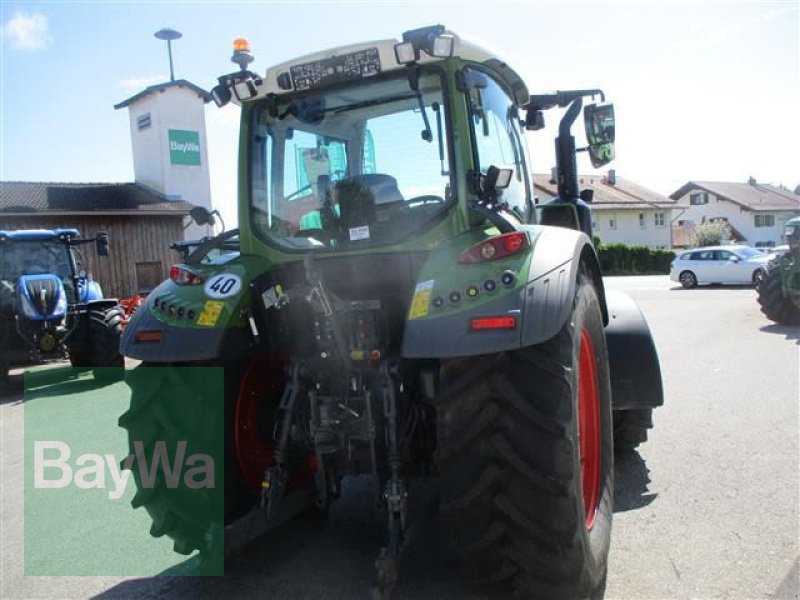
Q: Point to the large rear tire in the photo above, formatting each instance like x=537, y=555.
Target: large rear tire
x=526, y=460
x=171, y=400
x=176, y=404
x=775, y=306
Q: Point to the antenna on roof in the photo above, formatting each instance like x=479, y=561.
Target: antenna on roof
x=169, y=35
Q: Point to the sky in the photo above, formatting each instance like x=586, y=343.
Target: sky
x=703, y=90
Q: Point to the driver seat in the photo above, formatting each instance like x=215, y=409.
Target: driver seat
x=383, y=187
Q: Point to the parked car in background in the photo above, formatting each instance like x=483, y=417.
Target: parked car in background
x=719, y=264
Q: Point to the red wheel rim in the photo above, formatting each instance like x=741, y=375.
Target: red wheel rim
x=589, y=427
x=262, y=383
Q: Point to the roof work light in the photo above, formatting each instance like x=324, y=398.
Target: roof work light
x=433, y=40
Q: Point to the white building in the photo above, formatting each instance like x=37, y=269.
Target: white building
x=756, y=212
x=168, y=137
x=622, y=211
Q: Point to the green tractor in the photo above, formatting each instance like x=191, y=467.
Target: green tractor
x=400, y=307
x=779, y=290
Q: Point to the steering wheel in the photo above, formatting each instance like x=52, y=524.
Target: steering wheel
x=424, y=201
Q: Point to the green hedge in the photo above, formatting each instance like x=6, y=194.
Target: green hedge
x=621, y=259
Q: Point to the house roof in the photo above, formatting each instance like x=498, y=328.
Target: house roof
x=34, y=197
x=750, y=195
x=163, y=86
x=622, y=194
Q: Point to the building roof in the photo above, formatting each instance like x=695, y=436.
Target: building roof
x=33, y=197
x=163, y=86
x=622, y=194
x=750, y=195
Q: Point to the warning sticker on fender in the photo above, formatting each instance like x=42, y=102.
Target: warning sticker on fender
x=421, y=299
x=211, y=313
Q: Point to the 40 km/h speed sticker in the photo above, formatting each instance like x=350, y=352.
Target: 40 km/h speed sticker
x=223, y=285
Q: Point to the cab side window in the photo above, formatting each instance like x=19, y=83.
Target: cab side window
x=498, y=139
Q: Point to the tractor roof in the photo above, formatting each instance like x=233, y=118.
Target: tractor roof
x=278, y=79
x=37, y=234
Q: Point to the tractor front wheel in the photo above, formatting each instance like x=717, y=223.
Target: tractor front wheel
x=775, y=306
x=526, y=460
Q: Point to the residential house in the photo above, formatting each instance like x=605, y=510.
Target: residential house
x=622, y=211
x=756, y=212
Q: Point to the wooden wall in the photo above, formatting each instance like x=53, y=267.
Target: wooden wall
x=134, y=238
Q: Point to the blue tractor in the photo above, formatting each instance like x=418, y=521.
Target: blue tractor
x=50, y=309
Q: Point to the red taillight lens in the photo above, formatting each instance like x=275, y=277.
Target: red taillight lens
x=183, y=276
x=496, y=247
x=485, y=323
x=148, y=335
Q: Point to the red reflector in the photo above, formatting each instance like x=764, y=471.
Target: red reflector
x=148, y=335
x=493, y=323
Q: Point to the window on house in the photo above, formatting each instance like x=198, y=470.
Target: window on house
x=768, y=244
x=641, y=221
x=698, y=198
x=765, y=220
x=143, y=122
x=612, y=223
x=148, y=275
x=660, y=219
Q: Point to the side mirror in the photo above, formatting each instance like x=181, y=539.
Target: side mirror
x=102, y=244
x=734, y=259
x=202, y=216
x=599, y=124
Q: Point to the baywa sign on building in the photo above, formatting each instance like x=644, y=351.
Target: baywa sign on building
x=184, y=147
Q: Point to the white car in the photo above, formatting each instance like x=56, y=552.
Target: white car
x=719, y=264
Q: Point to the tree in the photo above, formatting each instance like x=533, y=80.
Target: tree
x=710, y=234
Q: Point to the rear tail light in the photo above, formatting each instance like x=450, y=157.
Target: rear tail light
x=183, y=276
x=495, y=248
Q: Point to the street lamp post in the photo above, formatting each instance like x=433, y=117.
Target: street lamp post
x=169, y=35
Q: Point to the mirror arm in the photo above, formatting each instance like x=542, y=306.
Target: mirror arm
x=566, y=162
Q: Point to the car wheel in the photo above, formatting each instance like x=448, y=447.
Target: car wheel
x=687, y=279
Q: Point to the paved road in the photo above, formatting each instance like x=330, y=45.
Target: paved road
x=707, y=509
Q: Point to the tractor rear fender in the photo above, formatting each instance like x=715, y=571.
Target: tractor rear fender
x=181, y=344
x=99, y=304
x=541, y=304
x=635, y=370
